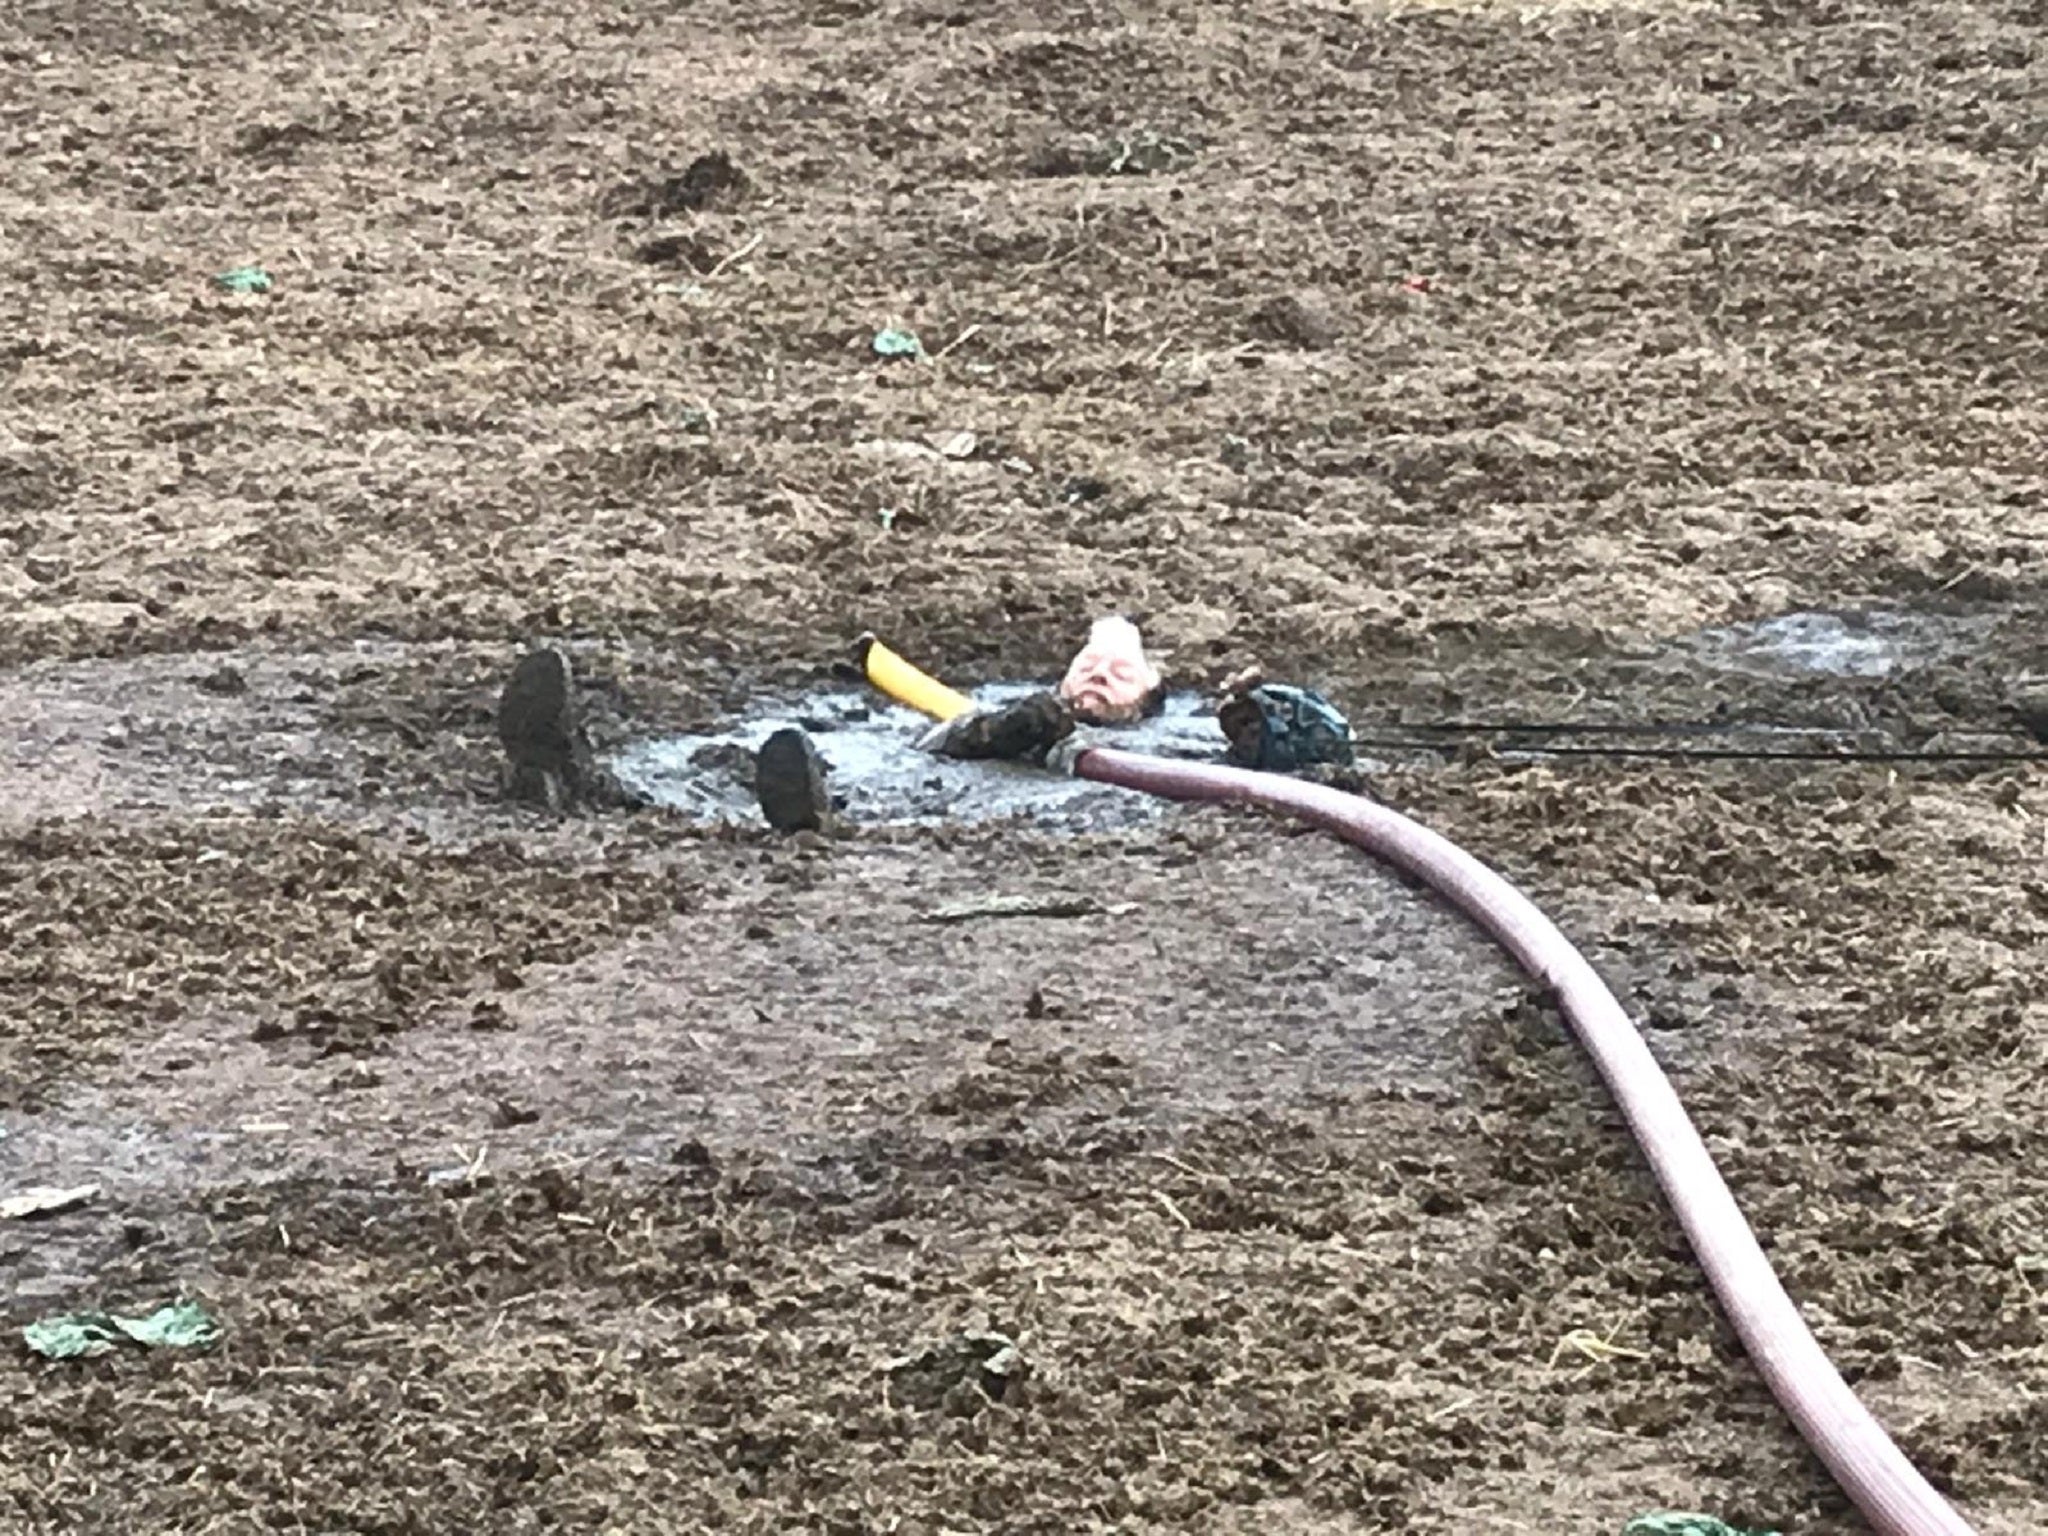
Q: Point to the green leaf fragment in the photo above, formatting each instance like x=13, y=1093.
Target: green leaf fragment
x=1683, y=1523
x=69, y=1338
x=891, y=341
x=185, y=1325
x=244, y=280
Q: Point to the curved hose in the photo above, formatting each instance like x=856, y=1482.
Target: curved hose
x=1872, y=1470
x=1895, y=1498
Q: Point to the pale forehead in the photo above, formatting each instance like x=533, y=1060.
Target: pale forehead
x=1115, y=632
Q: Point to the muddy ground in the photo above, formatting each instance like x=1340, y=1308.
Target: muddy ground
x=632, y=1173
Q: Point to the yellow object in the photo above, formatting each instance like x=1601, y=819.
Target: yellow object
x=906, y=685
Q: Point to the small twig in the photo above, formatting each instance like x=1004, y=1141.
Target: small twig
x=1022, y=906
x=972, y=330
x=1958, y=579
x=1173, y=1210
x=1200, y=360
x=504, y=1309
x=1597, y=1349
x=744, y=248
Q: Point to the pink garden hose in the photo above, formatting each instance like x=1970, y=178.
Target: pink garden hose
x=1875, y=1474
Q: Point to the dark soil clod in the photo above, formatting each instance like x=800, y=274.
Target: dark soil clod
x=2030, y=709
x=710, y=181
x=685, y=251
x=1300, y=320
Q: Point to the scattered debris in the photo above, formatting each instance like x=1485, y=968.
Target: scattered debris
x=1681, y=1523
x=914, y=450
x=1024, y=906
x=695, y=1158
x=1594, y=1348
x=183, y=1325
x=45, y=1200
x=961, y=1375
x=243, y=280
x=487, y=1015
x=895, y=342
x=1135, y=152
x=789, y=782
x=469, y=1173
x=510, y=1114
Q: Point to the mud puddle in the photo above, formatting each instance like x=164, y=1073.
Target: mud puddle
x=389, y=734
x=1869, y=644
x=879, y=775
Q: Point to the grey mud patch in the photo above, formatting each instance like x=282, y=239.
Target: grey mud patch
x=880, y=775
x=1873, y=643
x=771, y=1022
x=213, y=732
x=401, y=737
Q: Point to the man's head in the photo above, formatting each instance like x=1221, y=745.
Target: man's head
x=1111, y=682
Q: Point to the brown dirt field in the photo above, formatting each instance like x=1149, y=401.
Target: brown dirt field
x=600, y=1174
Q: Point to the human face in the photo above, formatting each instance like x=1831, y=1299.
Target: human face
x=1110, y=681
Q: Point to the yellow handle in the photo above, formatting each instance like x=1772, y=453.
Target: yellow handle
x=906, y=685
